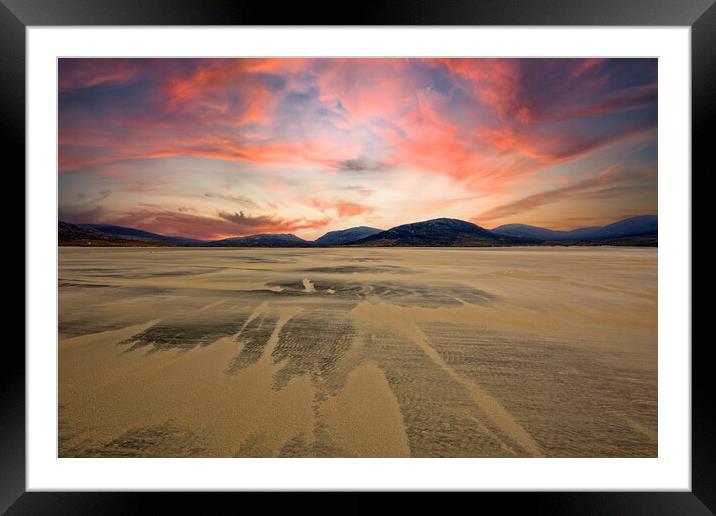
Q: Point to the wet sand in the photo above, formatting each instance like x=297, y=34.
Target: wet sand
x=453, y=352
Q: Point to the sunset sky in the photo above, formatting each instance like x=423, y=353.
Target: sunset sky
x=213, y=148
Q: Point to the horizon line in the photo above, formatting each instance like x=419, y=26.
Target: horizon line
x=360, y=225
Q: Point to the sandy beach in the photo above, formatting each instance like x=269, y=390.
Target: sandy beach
x=358, y=352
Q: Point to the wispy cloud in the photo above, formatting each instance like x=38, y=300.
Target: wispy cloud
x=237, y=199
x=245, y=224
x=600, y=186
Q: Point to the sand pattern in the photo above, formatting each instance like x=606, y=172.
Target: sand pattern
x=358, y=352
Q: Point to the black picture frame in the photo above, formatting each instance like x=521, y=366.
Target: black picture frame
x=16, y=15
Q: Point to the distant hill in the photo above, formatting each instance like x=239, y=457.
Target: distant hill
x=644, y=225
x=526, y=231
x=438, y=233
x=345, y=236
x=80, y=235
x=138, y=234
x=266, y=240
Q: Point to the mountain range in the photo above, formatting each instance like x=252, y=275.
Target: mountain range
x=86, y=235
x=138, y=234
x=441, y=232
x=642, y=225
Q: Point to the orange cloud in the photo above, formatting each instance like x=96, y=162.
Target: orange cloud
x=344, y=209
x=586, y=66
x=493, y=81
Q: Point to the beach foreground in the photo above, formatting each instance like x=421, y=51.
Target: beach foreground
x=358, y=352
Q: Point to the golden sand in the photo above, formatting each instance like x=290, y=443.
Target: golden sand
x=512, y=352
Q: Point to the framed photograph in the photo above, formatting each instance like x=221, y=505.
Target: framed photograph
x=434, y=249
